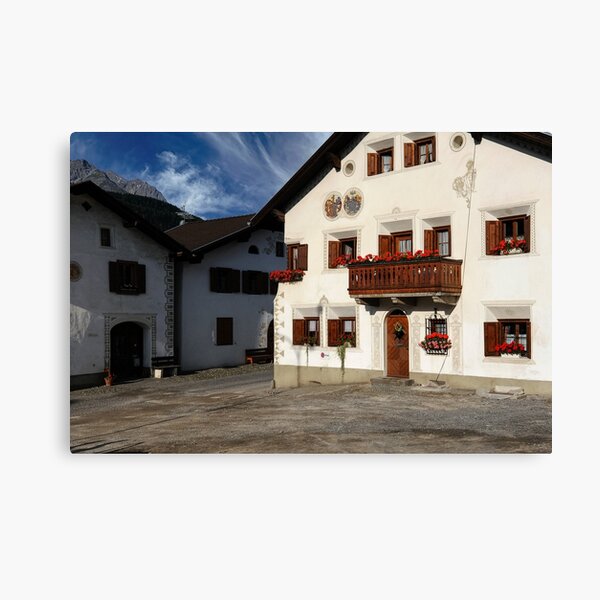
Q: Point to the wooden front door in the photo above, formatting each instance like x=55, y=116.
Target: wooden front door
x=126, y=351
x=397, y=346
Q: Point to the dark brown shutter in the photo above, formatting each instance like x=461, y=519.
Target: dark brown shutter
x=493, y=235
x=224, y=331
x=290, y=257
x=213, y=280
x=409, y=154
x=298, y=332
x=429, y=240
x=335, y=249
x=246, y=282
x=303, y=257
x=528, y=328
x=386, y=244
x=333, y=332
x=433, y=149
x=491, y=337
x=372, y=160
x=263, y=282
x=141, y=279
x=527, y=226
x=273, y=285
x=233, y=281
x=113, y=277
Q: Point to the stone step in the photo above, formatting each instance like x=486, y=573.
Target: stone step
x=393, y=382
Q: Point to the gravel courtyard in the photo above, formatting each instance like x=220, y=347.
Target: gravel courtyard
x=237, y=411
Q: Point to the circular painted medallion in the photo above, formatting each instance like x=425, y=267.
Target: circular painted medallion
x=333, y=205
x=353, y=201
x=75, y=271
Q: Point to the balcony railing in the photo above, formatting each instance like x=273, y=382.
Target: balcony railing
x=421, y=277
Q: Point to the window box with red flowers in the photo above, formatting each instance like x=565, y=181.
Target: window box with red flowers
x=436, y=343
x=388, y=257
x=287, y=276
x=511, y=350
x=511, y=246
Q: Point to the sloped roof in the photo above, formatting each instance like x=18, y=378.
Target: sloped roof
x=203, y=235
x=130, y=217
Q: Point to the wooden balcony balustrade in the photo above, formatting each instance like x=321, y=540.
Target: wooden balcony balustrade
x=419, y=277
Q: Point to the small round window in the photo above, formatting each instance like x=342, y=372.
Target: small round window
x=349, y=168
x=458, y=141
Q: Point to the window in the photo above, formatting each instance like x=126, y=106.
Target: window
x=273, y=286
x=419, y=152
x=508, y=235
x=306, y=331
x=438, y=238
x=436, y=325
x=224, y=335
x=255, y=282
x=345, y=249
x=298, y=257
x=279, y=249
x=381, y=161
x=507, y=331
x=253, y=250
x=339, y=330
x=105, y=237
x=394, y=243
x=126, y=277
x=224, y=281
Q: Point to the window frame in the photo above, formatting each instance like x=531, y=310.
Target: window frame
x=103, y=228
x=224, y=280
x=306, y=331
x=126, y=277
x=497, y=330
x=436, y=242
x=334, y=250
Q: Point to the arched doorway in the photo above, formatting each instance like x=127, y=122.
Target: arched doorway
x=397, y=344
x=127, y=351
x=270, y=337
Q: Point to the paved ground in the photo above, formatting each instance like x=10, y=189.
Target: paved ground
x=241, y=413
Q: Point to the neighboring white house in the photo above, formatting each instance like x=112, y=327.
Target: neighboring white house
x=225, y=298
x=122, y=294
x=462, y=198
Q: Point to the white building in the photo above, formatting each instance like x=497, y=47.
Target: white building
x=462, y=197
x=225, y=300
x=122, y=294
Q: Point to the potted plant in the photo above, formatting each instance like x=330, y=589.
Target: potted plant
x=287, y=275
x=436, y=343
x=510, y=246
x=346, y=340
x=512, y=349
x=108, y=377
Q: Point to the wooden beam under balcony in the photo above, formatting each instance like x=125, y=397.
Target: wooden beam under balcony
x=430, y=277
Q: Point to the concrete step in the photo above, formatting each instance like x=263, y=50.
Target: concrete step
x=391, y=382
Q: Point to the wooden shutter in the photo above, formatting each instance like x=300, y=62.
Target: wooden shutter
x=298, y=332
x=224, y=331
x=273, y=285
x=246, y=284
x=409, y=154
x=372, y=160
x=263, y=282
x=333, y=332
x=527, y=226
x=493, y=235
x=303, y=257
x=335, y=249
x=141, y=279
x=113, y=277
x=386, y=244
x=528, y=329
x=433, y=149
x=429, y=240
x=290, y=261
x=491, y=337
x=233, y=281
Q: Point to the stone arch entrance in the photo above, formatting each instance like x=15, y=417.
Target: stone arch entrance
x=127, y=351
x=397, y=344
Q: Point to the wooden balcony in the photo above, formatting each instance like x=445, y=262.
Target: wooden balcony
x=435, y=277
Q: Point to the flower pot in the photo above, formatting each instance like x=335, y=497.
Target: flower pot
x=511, y=356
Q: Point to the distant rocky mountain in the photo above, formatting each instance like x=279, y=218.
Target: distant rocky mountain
x=139, y=195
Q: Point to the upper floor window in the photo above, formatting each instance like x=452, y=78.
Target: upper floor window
x=381, y=161
x=399, y=242
x=253, y=249
x=419, y=152
x=105, y=237
x=279, y=249
x=298, y=256
x=126, y=277
x=224, y=281
x=341, y=251
x=508, y=235
x=255, y=282
x=438, y=238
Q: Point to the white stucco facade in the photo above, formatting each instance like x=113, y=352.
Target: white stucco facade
x=462, y=188
x=95, y=310
x=199, y=307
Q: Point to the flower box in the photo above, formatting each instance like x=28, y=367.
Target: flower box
x=510, y=246
x=512, y=350
x=436, y=343
x=287, y=276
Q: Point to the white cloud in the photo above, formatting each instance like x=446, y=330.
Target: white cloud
x=196, y=189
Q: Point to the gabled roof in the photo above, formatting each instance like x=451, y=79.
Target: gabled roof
x=338, y=145
x=202, y=236
x=130, y=218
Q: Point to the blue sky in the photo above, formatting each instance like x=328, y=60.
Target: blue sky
x=209, y=174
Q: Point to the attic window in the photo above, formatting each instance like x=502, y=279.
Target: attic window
x=419, y=151
x=105, y=237
x=253, y=250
